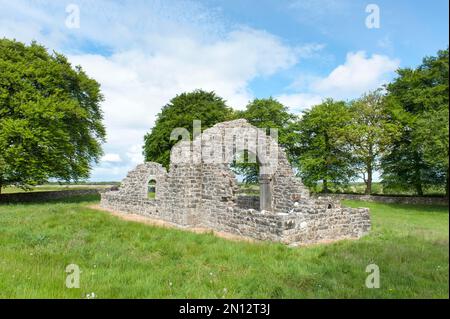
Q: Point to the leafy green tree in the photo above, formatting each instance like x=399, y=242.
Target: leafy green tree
x=325, y=155
x=431, y=134
x=180, y=112
x=266, y=114
x=416, y=99
x=50, y=117
x=369, y=133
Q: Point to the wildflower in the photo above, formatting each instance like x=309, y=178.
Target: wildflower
x=91, y=295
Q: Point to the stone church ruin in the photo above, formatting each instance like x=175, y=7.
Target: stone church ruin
x=200, y=190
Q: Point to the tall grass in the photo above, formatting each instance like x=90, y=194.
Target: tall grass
x=123, y=259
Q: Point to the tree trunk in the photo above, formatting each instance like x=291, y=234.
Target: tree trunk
x=327, y=148
x=325, y=186
x=369, y=168
x=369, y=180
x=446, y=184
x=418, y=175
x=419, y=189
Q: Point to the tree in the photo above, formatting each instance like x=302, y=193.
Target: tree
x=50, y=117
x=181, y=111
x=431, y=135
x=415, y=99
x=266, y=114
x=369, y=133
x=325, y=155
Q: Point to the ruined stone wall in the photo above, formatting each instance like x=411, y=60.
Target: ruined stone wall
x=199, y=191
x=287, y=189
x=316, y=223
x=248, y=202
x=254, y=224
x=219, y=193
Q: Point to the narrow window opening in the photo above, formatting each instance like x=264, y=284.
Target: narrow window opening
x=151, y=189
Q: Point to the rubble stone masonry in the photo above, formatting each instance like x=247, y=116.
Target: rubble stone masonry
x=200, y=192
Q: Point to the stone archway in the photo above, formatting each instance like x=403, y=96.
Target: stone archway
x=264, y=182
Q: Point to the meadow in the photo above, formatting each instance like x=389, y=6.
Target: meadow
x=125, y=259
x=53, y=187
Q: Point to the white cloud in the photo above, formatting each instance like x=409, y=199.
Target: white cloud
x=137, y=84
x=145, y=54
x=357, y=75
x=111, y=158
x=300, y=101
x=134, y=154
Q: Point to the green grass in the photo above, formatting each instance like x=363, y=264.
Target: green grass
x=122, y=259
x=248, y=189
x=378, y=189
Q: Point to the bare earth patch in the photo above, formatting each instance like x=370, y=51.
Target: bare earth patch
x=161, y=223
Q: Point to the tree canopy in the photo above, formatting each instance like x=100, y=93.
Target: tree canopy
x=369, y=133
x=417, y=101
x=51, y=125
x=50, y=116
x=324, y=153
x=180, y=112
x=269, y=113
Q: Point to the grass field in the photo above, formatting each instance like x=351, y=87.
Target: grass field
x=121, y=259
x=357, y=188
x=378, y=189
x=50, y=187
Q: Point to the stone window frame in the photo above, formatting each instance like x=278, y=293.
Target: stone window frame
x=149, y=179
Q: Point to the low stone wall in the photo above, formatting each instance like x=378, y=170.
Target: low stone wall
x=46, y=195
x=153, y=208
x=319, y=220
x=416, y=200
x=254, y=224
x=315, y=224
x=248, y=201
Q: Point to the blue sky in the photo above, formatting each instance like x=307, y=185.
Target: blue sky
x=299, y=51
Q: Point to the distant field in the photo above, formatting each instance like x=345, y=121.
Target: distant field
x=378, y=189
x=51, y=187
x=355, y=188
x=124, y=259
x=245, y=189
